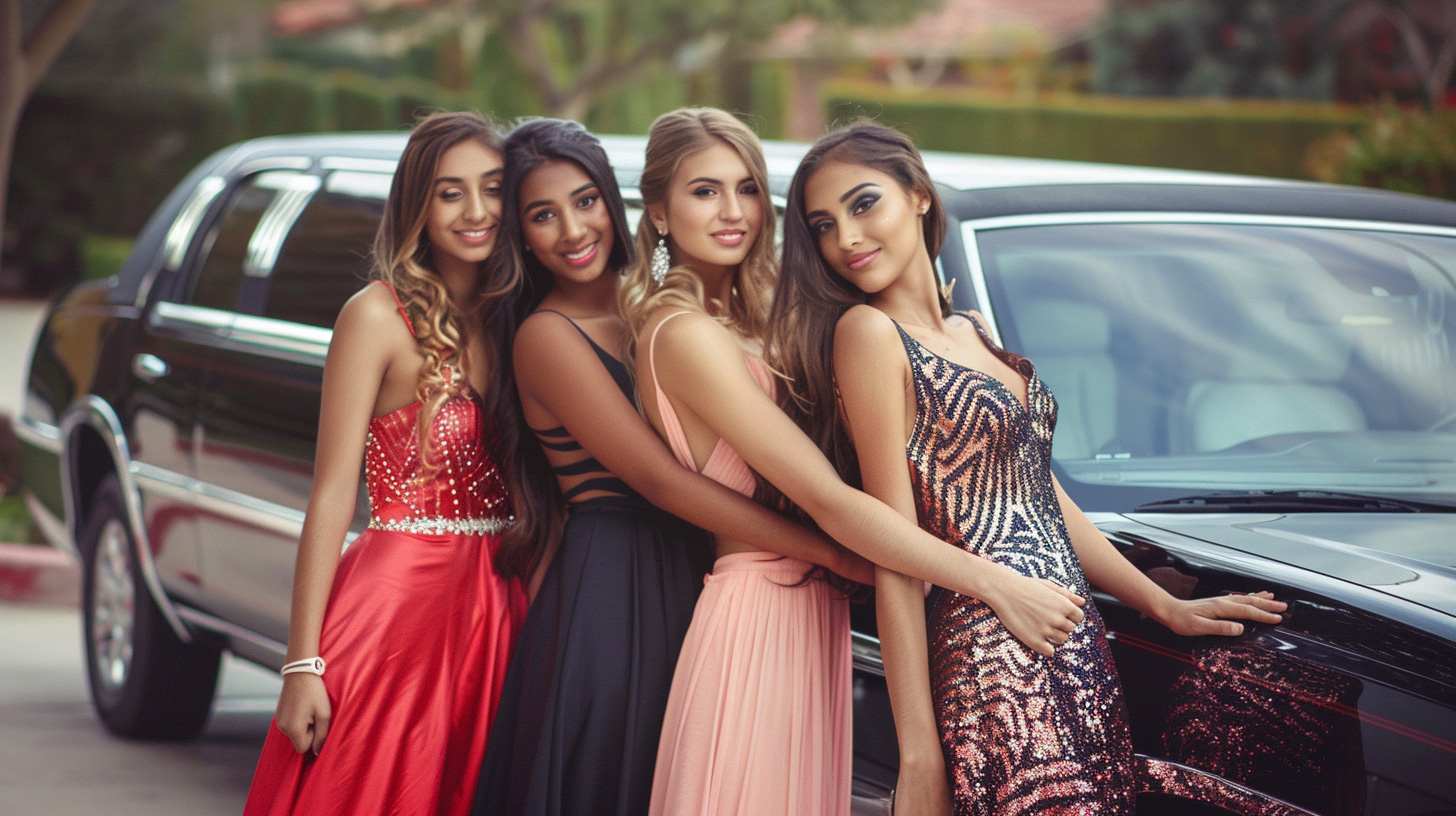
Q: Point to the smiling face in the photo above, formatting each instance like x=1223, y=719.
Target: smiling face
x=565, y=222
x=713, y=211
x=867, y=225
x=465, y=204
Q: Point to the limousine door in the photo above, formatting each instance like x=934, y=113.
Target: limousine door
x=259, y=411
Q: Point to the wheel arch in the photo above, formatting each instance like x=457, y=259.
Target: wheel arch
x=96, y=447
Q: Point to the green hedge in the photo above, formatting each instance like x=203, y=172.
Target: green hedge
x=1253, y=138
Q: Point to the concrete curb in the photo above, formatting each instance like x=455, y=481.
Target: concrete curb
x=38, y=574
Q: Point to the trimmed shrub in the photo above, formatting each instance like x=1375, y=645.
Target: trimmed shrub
x=1410, y=150
x=278, y=100
x=1248, y=137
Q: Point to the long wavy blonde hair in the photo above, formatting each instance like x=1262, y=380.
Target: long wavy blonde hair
x=402, y=259
x=673, y=137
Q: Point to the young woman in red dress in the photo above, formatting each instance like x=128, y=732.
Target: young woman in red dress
x=397, y=648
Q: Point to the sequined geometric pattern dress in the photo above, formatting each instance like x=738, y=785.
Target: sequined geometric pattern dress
x=416, y=635
x=1022, y=733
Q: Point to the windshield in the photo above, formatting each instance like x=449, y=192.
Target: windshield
x=1204, y=357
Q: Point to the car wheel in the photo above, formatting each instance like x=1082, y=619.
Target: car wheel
x=145, y=682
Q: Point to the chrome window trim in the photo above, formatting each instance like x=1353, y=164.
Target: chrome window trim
x=865, y=653
x=179, y=235
x=182, y=317
x=1059, y=219
x=281, y=339
x=94, y=411
x=267, y=239
x=978, y=280
x=274, y=163
x=387, y=166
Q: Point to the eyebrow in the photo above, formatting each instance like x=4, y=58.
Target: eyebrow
x=842, y=198
x=546, y=201
x=457, y=180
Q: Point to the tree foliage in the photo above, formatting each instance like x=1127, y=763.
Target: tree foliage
x=572, y=53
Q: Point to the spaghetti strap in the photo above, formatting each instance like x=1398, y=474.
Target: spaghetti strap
x=399, y=304
x=672, y=427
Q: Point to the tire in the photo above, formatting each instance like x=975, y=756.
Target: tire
x=145, y=683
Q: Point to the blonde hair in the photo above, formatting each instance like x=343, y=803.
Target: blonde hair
x=402, y=259
x=673, y=137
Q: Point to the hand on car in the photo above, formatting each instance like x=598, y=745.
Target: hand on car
x=1211, y=616
x=1041, y=614
x=304, y=712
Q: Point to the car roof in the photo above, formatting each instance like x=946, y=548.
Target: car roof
x=980, y=187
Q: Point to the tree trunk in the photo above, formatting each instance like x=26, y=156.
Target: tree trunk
x=23, y=61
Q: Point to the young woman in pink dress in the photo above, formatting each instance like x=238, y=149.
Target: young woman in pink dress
x=396, y=649
x=758, y=713
x=945, y=426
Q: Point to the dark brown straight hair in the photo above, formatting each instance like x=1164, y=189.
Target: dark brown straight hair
x=811, y=296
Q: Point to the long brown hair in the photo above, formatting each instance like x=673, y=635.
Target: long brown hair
x=673, y=137
x=402, y=259
x=811, y=296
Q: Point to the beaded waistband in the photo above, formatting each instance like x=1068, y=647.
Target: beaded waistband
x=437, y=525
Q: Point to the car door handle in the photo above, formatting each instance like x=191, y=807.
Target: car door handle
x=149, y=367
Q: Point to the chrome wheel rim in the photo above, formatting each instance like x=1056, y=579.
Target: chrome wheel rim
x=113, y=608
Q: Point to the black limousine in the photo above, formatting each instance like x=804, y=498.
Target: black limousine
x=1257, y=382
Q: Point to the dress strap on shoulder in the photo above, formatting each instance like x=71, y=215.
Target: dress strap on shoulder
x=677, y=439
x=399, y=304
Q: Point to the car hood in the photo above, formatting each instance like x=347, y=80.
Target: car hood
x=1409, y=556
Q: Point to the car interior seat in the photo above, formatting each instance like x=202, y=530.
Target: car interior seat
x=1068, y=342
x=1280, y=378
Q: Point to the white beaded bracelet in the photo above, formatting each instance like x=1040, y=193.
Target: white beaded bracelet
x=311, y=665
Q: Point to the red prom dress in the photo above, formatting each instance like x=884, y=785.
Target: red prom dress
x=417, y=634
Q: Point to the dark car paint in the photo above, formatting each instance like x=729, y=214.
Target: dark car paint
x=1347, y=707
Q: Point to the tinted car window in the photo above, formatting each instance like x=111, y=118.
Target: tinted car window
x=325, y=257
x=1206, y=356
x=219, y=282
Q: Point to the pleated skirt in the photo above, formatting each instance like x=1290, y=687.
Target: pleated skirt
x=581, y=713
x=417, y=635
x=758, y=719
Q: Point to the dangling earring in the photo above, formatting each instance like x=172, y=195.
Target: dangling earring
x=661, y=260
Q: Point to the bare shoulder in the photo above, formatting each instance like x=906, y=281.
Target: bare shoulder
x=371, y=313
x=684, y=336
x=544, y=327
x=865, y=330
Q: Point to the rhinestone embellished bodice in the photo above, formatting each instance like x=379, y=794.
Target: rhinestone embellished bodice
x=1025, y=733
x=466, y=494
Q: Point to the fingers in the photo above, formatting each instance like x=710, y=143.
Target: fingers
x=299, y=735
x=320, y=731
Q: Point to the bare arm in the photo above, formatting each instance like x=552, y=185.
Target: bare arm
x=353, y=371
x=1109, y=571
x=556, y=368
x=702, y=366
x=872, y=390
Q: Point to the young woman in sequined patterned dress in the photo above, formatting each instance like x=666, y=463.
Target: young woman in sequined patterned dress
x=414, y=623
x=884, y=374
x=758, y=718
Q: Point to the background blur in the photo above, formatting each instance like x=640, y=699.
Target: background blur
x=111, y=102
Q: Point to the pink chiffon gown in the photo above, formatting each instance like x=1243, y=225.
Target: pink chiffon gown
x=758, y=717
